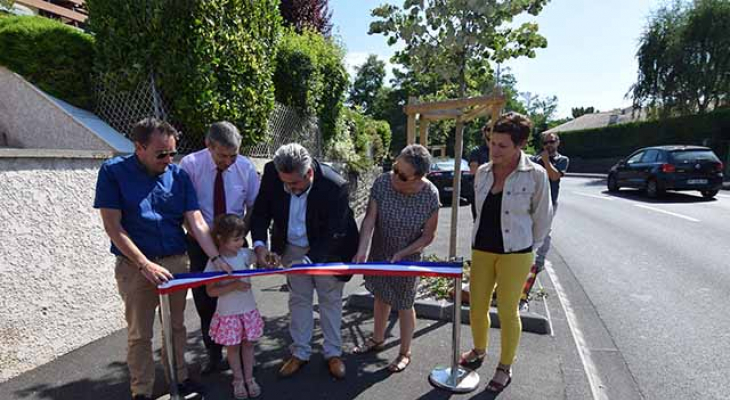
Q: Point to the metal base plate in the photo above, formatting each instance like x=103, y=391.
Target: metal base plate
x=190, y=396
x=466, y=380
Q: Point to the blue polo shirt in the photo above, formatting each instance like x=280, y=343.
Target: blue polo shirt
x=153, y=207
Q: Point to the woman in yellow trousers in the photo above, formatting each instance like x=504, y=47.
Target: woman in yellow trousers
x=514, y=212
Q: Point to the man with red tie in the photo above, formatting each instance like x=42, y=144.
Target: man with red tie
x=226, y=183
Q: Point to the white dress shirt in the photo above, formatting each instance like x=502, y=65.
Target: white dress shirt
x=296, y=233
x=240, y=180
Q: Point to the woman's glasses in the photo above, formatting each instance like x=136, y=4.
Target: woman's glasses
x=403, y=177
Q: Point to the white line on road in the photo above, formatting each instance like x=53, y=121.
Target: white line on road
x=594, y=196
x=659, y=210
x=723, y=195
x=594, y=381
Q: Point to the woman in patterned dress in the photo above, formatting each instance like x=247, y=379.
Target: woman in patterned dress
x=401, y=219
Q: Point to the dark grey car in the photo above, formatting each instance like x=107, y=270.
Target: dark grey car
x=661, y=168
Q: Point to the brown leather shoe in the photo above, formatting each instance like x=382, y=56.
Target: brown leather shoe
x=291, y=366
x=336, y=367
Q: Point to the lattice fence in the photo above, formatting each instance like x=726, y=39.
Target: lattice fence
x=122, y=108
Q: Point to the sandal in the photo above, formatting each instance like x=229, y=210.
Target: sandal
x=239, y=389
x=472, y=357
x=370, y=346
x=254, y=390
x=495, y=387
x=400, y=363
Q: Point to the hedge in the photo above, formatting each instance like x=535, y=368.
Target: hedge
x=55, y=57
x=310, y=76
x=711, y=129
x=213, y=60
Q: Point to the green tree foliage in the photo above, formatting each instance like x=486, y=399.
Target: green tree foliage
x=366, y=140
x=310, y=76
x=213, y=59
x=55, y=57
x=684, y=58
x=368, y=83
x=448, y=37
x=580, y=111
x=307, y=14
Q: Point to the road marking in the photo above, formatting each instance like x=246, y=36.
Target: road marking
x=723, y=195
x=659, y=210
x=594, y=196
x=589, y=367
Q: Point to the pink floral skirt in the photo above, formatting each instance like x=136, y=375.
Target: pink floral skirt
x=230, y=330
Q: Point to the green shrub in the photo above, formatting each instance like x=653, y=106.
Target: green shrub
x=310, y=76
x=55, y=57
x=213, y=60
x=711, y=129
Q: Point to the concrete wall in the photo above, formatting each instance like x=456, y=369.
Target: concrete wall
x=57, y=291
x=31, y=119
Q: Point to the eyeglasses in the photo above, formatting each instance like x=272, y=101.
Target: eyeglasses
x=166, y=154
x=550, y=142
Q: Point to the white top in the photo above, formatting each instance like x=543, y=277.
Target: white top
x=236, y=302
x=240, y=180
x=527, y=210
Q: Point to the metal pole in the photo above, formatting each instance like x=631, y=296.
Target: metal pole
x=456, y=194
x=456, y=378
x=169, y=346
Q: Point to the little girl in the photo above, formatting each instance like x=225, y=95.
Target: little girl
x=237, y=322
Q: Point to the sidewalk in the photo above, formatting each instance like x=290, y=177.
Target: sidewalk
x=98, y=370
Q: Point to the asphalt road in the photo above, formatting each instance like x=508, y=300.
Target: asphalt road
x=650, y=279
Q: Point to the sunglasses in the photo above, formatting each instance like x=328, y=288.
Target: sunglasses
x=550, y=142
x=402, y=176
x=166, y=154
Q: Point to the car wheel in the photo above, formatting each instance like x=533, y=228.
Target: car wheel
x=612, y=183
x=653, y=190
x=709, y=194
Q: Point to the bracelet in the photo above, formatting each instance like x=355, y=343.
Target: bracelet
x=215, y=258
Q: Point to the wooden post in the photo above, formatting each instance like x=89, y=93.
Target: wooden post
x=423, y=128
x=456, y=195
x=411, y=127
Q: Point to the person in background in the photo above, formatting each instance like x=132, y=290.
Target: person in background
x=556, y=165
x=479, y=156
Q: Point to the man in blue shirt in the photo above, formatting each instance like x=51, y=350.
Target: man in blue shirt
x=556, y=165
x=144, y=200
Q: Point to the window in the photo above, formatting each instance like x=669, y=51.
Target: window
x=689, y=156
x=635, y=158
x=650, y=156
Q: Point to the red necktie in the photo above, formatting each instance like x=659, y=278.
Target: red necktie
x=219, y=195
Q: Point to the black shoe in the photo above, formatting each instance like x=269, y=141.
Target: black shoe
x=524, y=306
x=189, y=387
x=141, y=397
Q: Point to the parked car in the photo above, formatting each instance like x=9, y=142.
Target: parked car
x=661, y=168
x=442, y=175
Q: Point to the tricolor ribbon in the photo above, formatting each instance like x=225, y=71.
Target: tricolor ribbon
x=434, y=269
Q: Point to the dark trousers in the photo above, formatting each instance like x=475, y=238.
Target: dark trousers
x=204, y=304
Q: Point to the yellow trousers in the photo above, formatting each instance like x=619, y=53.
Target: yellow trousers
x=508, y=272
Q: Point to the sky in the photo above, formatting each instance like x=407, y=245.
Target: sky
x=590, y=59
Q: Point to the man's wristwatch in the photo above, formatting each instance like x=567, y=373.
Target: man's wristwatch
x=215, y=258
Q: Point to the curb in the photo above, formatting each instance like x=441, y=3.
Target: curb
x=586, y=175
x=443, y=310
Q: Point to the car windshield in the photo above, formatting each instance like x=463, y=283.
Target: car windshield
x=448, y=165
x=688, y=156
